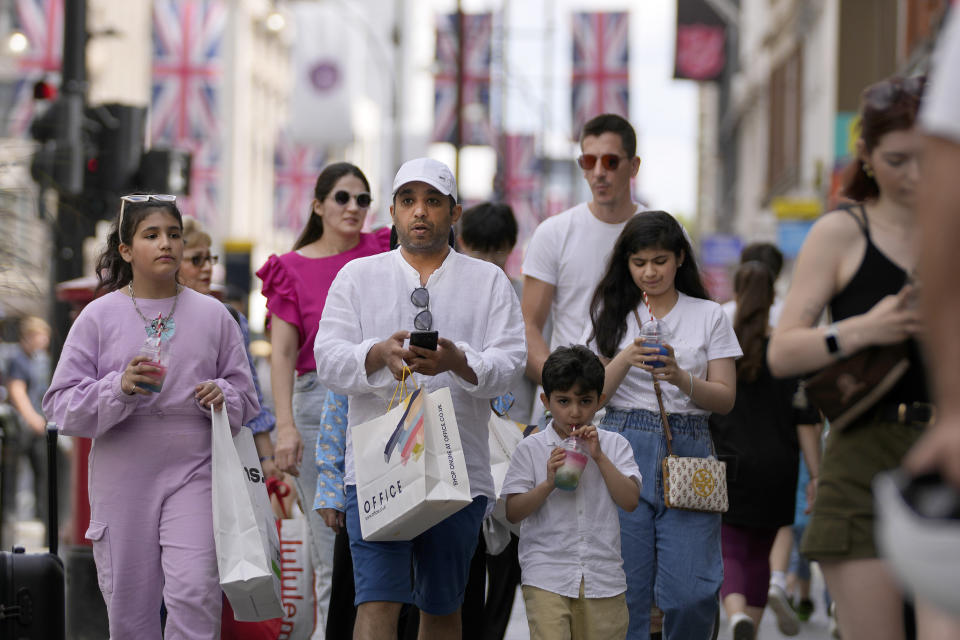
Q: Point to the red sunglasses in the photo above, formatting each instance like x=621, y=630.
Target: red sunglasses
x=609, y=161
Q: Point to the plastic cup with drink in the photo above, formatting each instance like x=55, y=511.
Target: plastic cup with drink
x=651, y=336
x=568, y=475
x=152, y=350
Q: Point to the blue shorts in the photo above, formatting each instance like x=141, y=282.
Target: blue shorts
x=439, y=557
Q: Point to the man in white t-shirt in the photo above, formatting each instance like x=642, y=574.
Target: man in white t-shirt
x=568, y=252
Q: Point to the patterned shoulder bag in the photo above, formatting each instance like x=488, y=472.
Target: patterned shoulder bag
x=693, y=484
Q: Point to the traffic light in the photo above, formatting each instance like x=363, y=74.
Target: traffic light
x=165, y=171
x=43, y=129
x=44, y=90
x=116, y=133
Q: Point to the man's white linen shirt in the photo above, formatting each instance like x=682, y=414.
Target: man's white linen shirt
x=573, y=534
x=473, y=305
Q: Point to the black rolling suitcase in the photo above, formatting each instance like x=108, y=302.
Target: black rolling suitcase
x=32, y=605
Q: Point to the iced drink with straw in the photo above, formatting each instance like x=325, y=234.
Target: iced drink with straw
x=152, y=350
x=568, y=475
x=651, y=335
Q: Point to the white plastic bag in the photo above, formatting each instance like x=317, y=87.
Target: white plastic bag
x=245, y=533
x=505, y=436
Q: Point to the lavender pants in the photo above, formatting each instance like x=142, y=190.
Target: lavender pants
x=151, y=524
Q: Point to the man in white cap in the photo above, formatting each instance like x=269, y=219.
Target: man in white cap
x=361, y=349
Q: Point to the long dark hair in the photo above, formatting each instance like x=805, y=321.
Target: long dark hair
x=889, y=105
x=618, y=295
x=113, y=272
x=753, y=288
x=325, y=182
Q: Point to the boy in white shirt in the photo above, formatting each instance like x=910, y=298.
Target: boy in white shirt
x=573, y=579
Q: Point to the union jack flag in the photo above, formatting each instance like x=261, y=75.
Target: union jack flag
x=519, y=177
x=187, y=48
x=601, y=66
x=42, y=24
x=295, y=170
x=519, y=165
x=475, y=83
x=203, y=203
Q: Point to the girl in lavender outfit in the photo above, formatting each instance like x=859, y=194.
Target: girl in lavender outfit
x=151, y=521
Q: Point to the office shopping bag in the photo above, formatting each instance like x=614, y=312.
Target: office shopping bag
x=245, y=533
x=410, y=468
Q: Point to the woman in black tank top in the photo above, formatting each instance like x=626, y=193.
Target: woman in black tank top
x=856, y=261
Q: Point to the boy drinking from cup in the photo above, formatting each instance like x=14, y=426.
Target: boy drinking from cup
x=573, y=581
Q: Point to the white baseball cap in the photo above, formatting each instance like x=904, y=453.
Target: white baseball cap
x=433, y=172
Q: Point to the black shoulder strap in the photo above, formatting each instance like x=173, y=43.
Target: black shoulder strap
x=233, y=312
x=861, y=219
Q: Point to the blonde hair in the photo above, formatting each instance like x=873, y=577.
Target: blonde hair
x=33, y=324
x=193, y=233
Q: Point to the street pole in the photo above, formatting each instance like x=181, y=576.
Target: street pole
x=71, y=225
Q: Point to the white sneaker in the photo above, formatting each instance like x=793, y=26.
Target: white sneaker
x=787, y=621
x=833, y=627
x=741, y=627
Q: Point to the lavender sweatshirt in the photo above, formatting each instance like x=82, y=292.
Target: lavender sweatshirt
x=85, y=398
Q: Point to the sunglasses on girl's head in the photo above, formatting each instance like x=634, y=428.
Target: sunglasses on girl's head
x=884, y=94
x=142, y=197
x=198, y=260
x=609, y=161
x=363, y=199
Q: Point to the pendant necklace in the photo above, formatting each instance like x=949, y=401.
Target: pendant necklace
x=160, y=327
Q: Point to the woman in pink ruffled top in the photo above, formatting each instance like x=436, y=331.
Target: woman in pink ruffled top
x=295, y=285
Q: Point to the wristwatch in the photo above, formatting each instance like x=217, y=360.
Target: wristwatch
x=833, y=347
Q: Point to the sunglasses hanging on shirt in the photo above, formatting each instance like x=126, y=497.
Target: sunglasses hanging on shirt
x=420, y=298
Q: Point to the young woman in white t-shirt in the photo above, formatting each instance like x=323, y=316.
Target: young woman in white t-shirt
x=671, y=557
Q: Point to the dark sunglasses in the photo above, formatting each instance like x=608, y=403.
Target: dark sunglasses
x=363, y=199
x=883, y=95
x=198, y=261
x=609, y=161
x=420, y=298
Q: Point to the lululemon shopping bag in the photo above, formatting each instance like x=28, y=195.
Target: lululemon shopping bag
x=410, y=469
x=296, y=565
x=244, y=529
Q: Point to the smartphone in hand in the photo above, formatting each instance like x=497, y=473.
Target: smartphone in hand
x=424, y=339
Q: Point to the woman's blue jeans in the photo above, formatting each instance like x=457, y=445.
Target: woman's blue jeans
x=671, y=557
